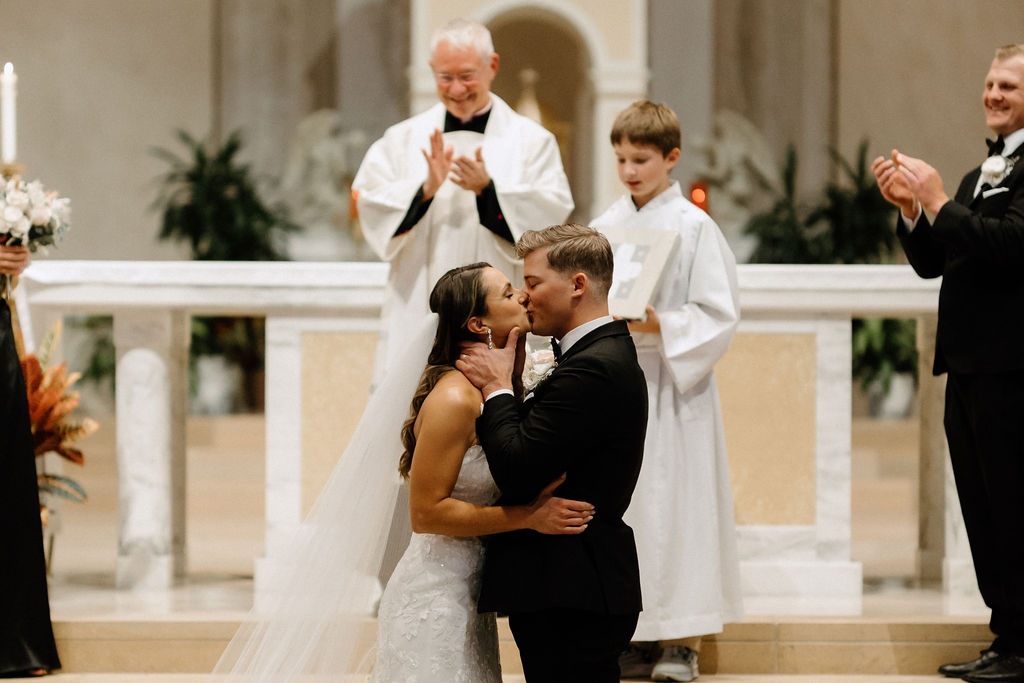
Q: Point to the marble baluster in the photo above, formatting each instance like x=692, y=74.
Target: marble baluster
x=151, y=392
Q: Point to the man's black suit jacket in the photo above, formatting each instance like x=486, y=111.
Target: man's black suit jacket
x=588, y=419
x=977, y=245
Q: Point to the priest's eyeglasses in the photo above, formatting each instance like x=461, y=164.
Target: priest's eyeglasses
x=466, y=77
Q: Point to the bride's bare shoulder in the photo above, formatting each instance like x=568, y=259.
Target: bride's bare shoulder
x=453, y=392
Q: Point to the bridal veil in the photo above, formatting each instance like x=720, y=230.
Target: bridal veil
x=313, y=621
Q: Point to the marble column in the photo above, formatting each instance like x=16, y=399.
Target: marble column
x=933, y=456
x=151, y=392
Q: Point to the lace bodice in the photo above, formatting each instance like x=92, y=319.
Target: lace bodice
x=428, y=626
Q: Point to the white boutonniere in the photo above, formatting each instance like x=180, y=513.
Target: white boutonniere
x=538, y=367
x=996, y=168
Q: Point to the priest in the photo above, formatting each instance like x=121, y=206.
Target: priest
x=456, y=184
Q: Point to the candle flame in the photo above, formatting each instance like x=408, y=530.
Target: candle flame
x=8, y=68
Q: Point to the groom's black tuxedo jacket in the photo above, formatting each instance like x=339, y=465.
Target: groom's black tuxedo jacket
x=977, y=245
x=588, y=419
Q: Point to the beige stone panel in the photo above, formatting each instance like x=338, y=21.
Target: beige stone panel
x=767, y=386
x=337, y=368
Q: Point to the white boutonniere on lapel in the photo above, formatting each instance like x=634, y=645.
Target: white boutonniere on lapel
x=996, y=168
x=539, y=366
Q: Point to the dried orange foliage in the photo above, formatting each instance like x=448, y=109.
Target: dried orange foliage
x=49, y=404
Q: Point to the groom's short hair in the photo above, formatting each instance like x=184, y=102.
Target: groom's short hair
x=573, y=249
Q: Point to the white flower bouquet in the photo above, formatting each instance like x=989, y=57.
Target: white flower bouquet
x=30, y=216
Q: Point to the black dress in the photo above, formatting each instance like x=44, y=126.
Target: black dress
x=26, y=635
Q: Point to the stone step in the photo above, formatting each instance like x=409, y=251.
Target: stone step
x=790, y=646
x=510, y=678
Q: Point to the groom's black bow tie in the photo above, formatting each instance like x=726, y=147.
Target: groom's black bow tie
x=556, y=349
x=995, y=146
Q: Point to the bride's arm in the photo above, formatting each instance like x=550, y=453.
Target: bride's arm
x=447, y=430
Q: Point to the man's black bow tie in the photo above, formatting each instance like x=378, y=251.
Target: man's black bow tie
x=995, y=146
x=556, y=349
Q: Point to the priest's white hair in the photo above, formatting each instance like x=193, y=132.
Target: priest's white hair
x=464, y=33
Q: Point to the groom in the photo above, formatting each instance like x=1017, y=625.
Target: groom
x=572, y=601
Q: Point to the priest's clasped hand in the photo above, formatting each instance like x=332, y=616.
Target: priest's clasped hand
x=439, y=163
x=470, y=173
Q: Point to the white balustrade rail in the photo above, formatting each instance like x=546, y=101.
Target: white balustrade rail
x=151, y=303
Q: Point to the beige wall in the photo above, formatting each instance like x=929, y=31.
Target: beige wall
x=99, y=83
x=911, y=76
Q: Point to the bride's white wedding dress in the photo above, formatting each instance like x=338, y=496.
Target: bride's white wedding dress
x=428, y=626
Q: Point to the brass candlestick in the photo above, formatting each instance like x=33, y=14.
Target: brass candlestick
x=9, y=169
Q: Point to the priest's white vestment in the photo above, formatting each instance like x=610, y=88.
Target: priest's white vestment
x=682, y=510
x=523, y=161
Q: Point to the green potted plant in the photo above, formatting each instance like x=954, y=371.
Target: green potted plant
x=211, y=201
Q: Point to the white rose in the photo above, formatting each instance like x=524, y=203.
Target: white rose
x=61, y=208
x=12, y=215
x=993, y=170
x=40, y=215
x=19, y=199
x=20, y=229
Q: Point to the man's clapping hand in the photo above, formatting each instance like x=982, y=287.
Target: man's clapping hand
x=893, y=185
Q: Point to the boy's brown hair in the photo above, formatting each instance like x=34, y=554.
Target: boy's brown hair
x=647, y=123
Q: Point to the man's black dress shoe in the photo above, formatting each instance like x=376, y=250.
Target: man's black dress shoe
x=1005, y=668
x=959, y=669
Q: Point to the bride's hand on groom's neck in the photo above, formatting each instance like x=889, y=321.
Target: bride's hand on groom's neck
x=491, y=370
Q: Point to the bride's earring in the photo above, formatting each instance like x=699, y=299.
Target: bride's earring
x=490, y=339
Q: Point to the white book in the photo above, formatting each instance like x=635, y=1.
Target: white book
x=641, y=256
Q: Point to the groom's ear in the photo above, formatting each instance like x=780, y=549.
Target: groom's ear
x=580, y=284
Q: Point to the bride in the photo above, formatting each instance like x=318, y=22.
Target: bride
x=312, y=613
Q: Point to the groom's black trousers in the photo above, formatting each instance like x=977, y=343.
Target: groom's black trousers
x=566, y=646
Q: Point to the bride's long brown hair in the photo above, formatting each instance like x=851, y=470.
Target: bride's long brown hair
x=459, y=295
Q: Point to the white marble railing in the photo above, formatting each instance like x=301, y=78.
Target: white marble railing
x=151, y=303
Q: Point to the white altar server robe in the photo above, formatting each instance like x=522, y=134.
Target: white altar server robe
x=682, y=511
x=522, y=159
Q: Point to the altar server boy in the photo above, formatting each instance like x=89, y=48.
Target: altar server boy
x=682, y=512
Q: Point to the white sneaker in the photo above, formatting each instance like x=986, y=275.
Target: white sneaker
x=677, y=663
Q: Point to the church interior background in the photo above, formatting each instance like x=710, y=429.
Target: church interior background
x=847, y=532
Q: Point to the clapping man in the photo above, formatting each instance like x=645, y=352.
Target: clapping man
x=976, y=243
